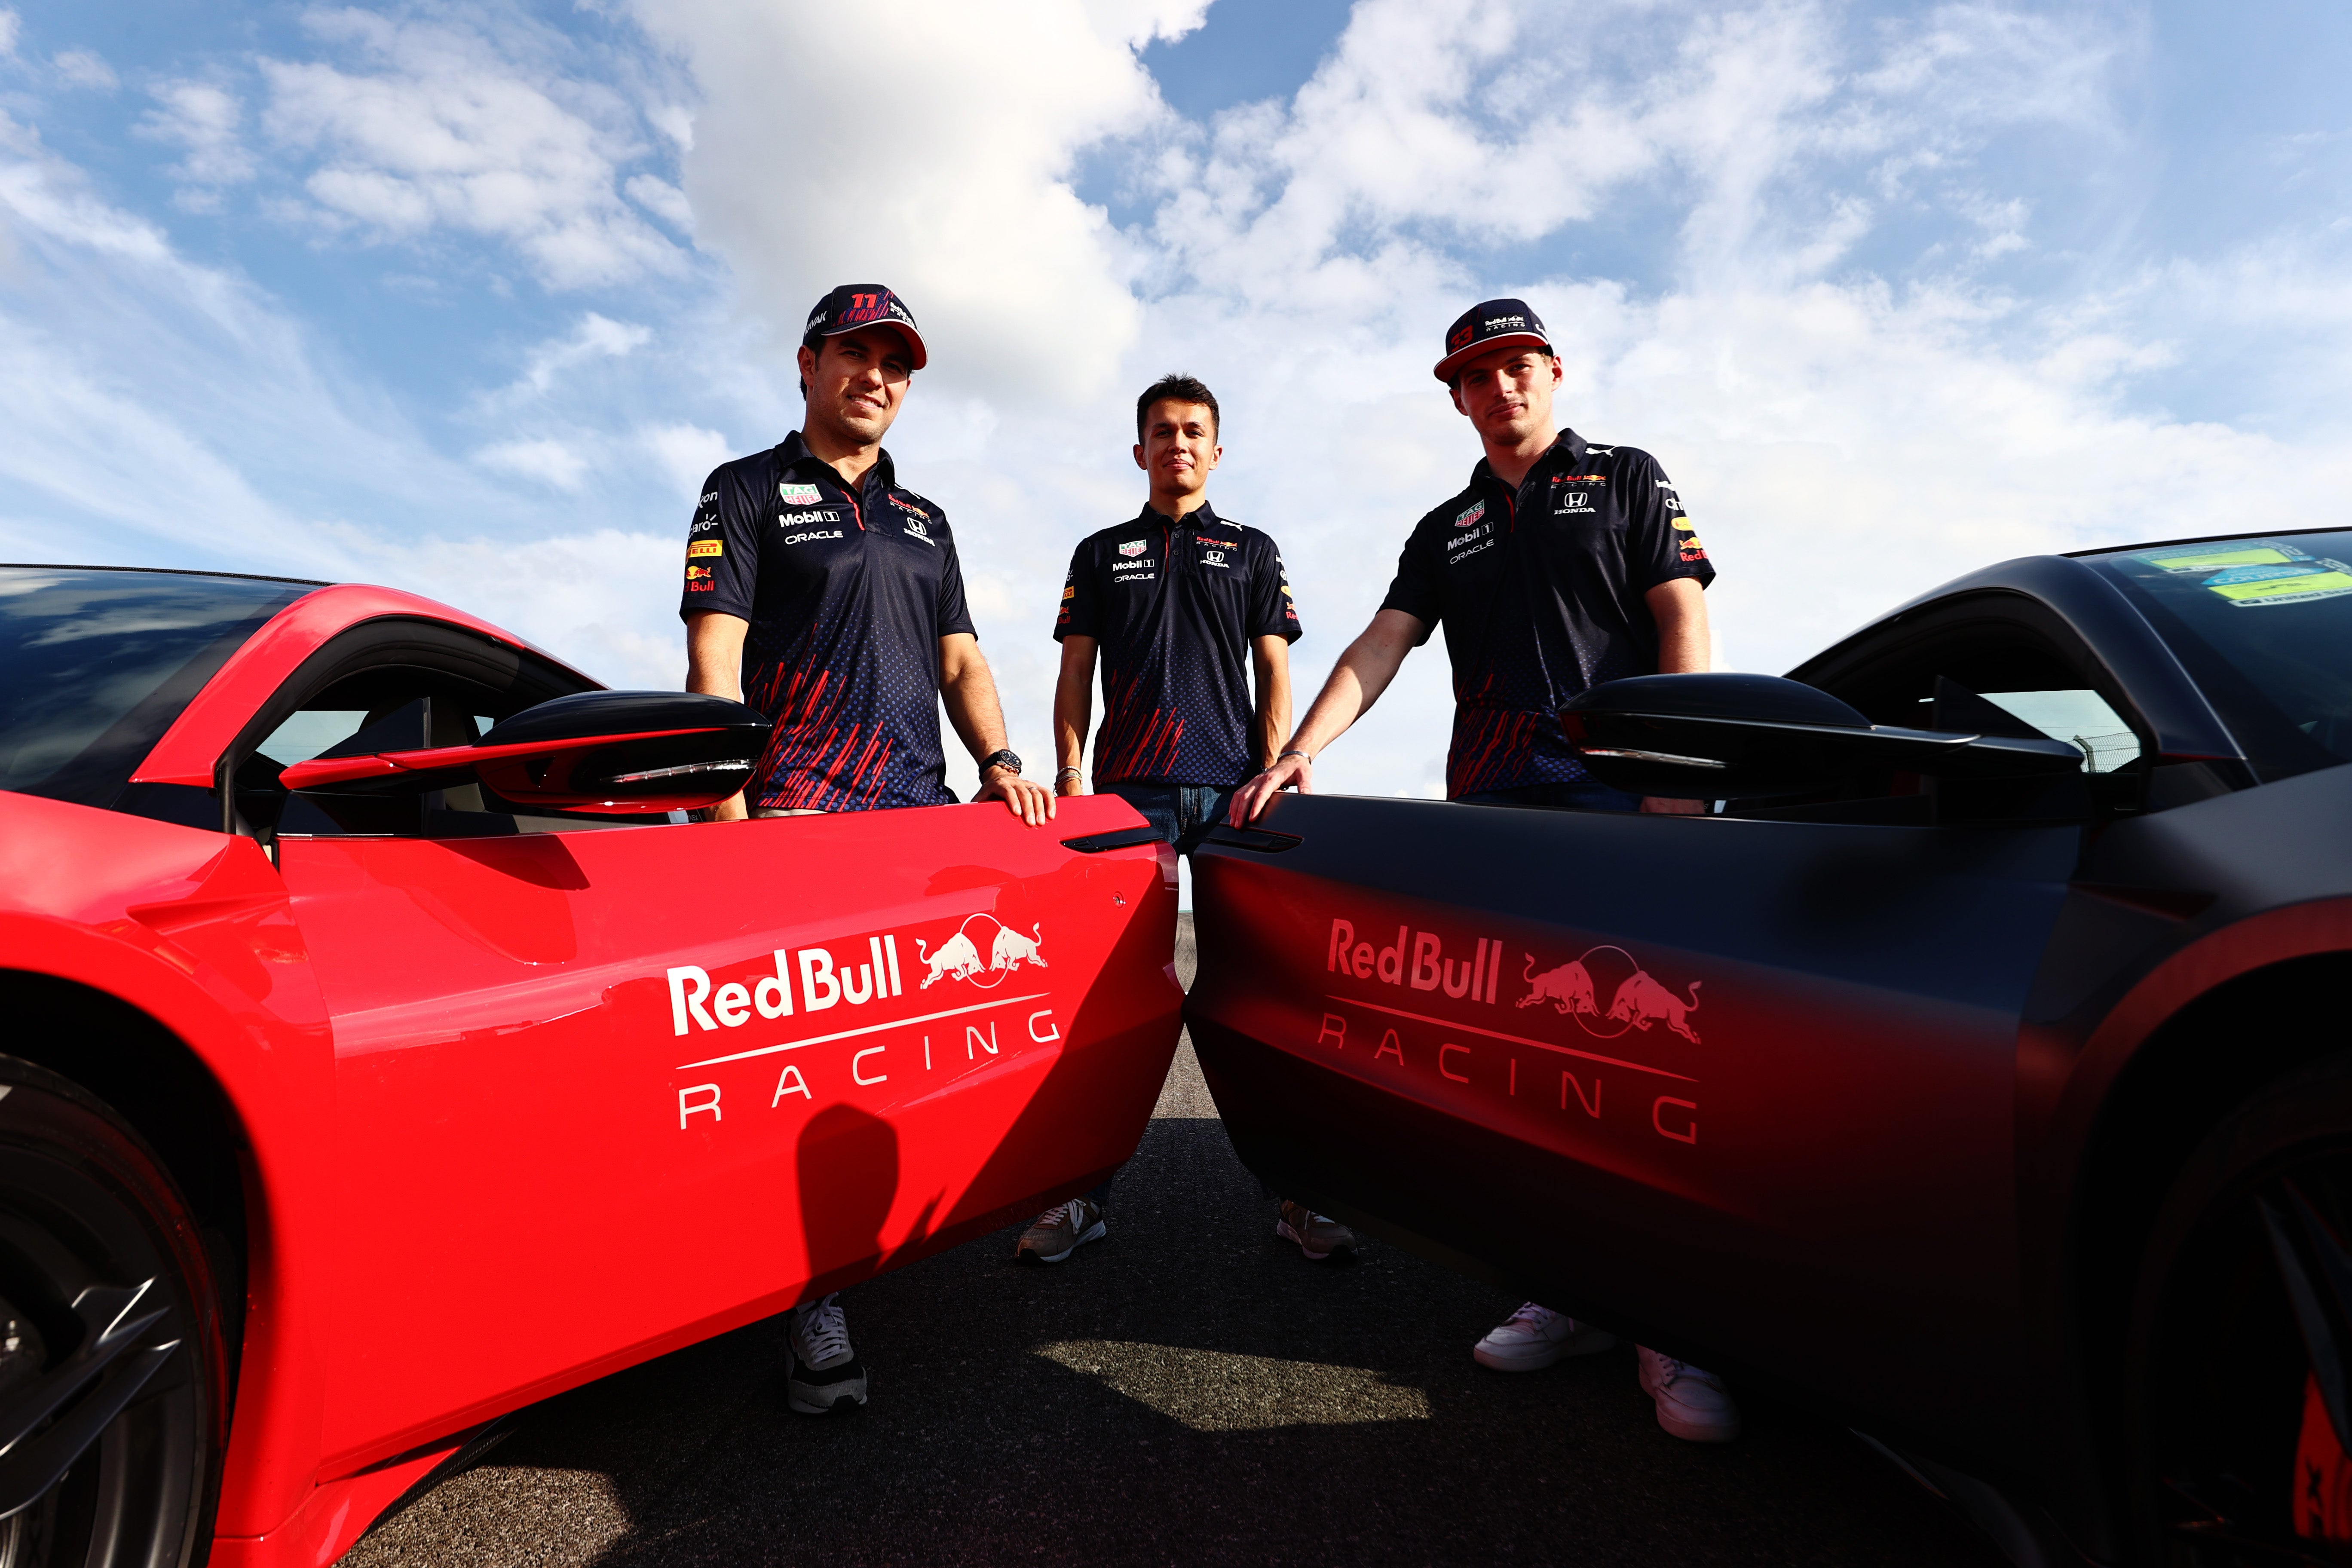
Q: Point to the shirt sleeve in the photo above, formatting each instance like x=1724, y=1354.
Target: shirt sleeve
x=953, y=614
x=722, y=545
x=1660, y=543
x=1273, y=613
x=1415, y=588
x=1081, y=598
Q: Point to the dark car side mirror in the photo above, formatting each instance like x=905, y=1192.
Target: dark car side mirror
x=1725, y=736
x=611, y=753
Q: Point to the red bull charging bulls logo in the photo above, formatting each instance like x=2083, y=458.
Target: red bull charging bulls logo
x=961, y=957
x=1636, y=1001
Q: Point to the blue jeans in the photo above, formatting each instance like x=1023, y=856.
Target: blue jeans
x=1181, y=813
x=1577, y=794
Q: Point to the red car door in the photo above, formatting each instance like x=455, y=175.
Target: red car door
x=605, y=1092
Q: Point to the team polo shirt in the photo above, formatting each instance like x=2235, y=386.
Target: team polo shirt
x=1175, y=607
x=1540, y=592
x=848, y=593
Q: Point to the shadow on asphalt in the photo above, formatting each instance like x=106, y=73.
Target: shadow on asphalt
x=1189, y=1391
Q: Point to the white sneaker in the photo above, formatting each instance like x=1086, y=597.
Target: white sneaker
x=821, y=1370
x=1692, y=1404
x=1535, y=1337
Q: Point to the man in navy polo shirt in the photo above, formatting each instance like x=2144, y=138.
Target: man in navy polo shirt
x=1560, y=565
x=1184, y=608
x=828, y=595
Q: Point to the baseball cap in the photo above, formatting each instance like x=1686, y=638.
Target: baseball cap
x=1491, y=324
x=854, y=305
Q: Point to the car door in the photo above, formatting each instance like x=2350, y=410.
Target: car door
x=1744, y=1086
x=604, y=1089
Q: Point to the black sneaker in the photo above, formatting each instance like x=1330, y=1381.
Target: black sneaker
x=822, y=1372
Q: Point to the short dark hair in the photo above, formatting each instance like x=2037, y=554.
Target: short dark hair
x=1177, y=388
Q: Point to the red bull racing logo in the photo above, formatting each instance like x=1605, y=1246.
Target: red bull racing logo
x=1635, y=1001
x=959, y=957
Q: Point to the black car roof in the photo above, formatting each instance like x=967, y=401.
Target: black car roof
x=2194, y=539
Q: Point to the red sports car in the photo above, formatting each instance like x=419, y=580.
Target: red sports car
x=390, y=1052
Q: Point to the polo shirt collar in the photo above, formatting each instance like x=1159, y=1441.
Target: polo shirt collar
x=1198, y=517
x=794, y=457
x=1569, y=445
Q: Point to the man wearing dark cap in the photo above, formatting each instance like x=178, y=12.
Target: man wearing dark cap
x=1560, y=565
x=828, y=595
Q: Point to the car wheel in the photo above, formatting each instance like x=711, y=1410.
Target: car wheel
x=112, y=1367
x=2239, y=1389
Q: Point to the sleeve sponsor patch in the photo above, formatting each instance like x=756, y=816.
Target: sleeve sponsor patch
x=702, y=547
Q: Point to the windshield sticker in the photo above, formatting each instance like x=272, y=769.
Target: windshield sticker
x=2257, y=576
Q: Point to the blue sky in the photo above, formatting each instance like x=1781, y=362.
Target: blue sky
x=467, y=299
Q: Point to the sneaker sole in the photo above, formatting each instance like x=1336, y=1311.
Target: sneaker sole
x=1695, y=1431
x=1584, y=1341
x=1282, y=1228
x=819, y=1398
x=1095, y=1232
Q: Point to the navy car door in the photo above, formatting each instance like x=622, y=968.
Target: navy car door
x=1745, y=1087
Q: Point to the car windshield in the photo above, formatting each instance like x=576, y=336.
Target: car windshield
x=96, y=664
x=2265, y=626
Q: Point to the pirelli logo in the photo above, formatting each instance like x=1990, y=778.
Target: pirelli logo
x=702, y=548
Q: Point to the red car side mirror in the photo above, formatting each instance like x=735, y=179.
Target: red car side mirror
x=611, y=753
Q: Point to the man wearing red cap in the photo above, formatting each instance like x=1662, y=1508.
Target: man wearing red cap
x=828, y=595
x=1560, y=565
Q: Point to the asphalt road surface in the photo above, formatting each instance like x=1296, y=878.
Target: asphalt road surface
x=1189, y=1391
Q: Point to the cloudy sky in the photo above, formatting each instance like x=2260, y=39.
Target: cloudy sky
x=468, y=299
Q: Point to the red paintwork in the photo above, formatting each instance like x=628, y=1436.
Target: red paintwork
x=457, y=1067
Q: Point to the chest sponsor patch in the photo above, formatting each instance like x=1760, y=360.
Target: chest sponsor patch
x=1476, y=511
x=910, y=506
x=811, y=535
x=1215, y=558
x=702, y=547
x=799, y=495
x=1574, y=500
x=1219, y=543
x=1134, y=547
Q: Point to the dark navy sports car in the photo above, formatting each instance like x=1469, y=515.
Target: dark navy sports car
x=1972, y=1069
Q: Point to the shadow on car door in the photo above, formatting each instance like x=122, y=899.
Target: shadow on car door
x=606, y=1090
x=1742, y=1089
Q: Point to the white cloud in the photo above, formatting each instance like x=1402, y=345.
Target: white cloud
x=9, y=25
x=445, y=131
x=81, y=68
x=203, y=119
x=556, y=464
x=592, y=338
x=947, y=177
x=687, y=454
x=662, y=199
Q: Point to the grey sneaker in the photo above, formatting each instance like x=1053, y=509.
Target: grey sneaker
x=1060, y=1231
x=1535, y=1337
x=1319, y=1236
x=1692, y=1404
x=822, y=1372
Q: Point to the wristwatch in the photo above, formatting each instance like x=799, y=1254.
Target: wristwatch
x=1009, y=760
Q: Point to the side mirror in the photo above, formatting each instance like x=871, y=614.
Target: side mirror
x=1723, y=736
x=617, y=752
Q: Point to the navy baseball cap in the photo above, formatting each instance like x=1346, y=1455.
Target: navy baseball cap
x=854, y=305
x=1491, y=324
